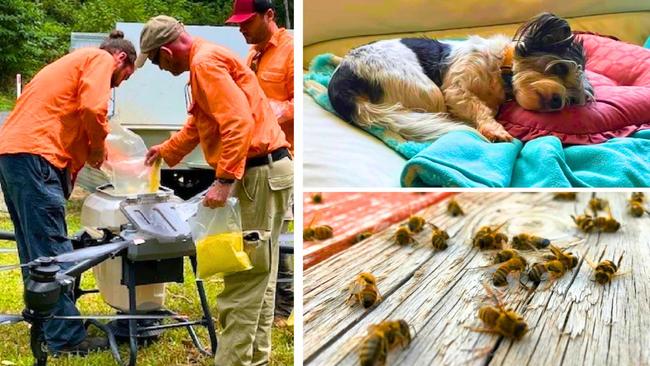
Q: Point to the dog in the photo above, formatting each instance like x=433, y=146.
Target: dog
x=422, y=88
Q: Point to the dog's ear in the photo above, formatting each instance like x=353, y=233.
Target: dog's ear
x=545, y=33
x=576, y=53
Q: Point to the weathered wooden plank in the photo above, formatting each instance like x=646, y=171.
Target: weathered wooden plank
x=326, y=314
x=576, y=321
x=581, y=322
x=352, y=213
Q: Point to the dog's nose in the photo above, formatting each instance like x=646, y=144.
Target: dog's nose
x=555, y=102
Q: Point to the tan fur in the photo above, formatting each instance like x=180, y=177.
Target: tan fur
x=473, y=90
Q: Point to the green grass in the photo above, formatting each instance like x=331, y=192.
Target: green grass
x=174, y=347
x=7, y=101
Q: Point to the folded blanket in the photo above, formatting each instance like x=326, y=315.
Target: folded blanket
x=464, y=159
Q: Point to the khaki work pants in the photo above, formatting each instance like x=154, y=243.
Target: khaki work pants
x=245, y=307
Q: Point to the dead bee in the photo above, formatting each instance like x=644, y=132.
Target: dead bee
x=607, y=224
x=488, y=237
x=528, y=241
x=500, y=320
x=505, y=254
x=317, y=233
x=454, y=209
x=554, y=268
x=514, y=264
x=438, y=238
x=585, y=222
x=416, y=223
x=404, y=236
x=362, y=236
x=565, y=196
x=364, y=290
x=597, y=204
x=637, y=197
x=536, y=272
x=381, y=339
x=606, y=270
x=569, y=260
x=316, y=198
x=321, y=232
x=636, y=209
x=555, y=265
x=636, y=204
x=308, y=234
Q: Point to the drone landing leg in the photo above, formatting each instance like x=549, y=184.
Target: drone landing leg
x=133, y=340
x=37, y=342
x=112, y=343
x=206, y=310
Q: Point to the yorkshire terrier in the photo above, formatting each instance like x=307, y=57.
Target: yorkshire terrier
x=421, y=88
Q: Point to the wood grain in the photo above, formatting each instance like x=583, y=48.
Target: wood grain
x=573, y=321
x=352, y=213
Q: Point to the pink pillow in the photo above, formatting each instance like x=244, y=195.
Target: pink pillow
x=620, y=74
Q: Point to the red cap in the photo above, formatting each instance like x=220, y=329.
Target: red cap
x=242, y=11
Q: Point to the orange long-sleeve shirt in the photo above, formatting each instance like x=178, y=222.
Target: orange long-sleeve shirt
x=229, y=114
x=61, y=113
x=275, y=74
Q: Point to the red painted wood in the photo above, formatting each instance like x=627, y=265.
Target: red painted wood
x=350, y=213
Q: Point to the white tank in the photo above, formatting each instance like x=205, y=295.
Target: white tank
x=102, y=210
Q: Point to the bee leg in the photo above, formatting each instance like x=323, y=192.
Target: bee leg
x=350, y=301
x=550, y=282
x=529, y=289
x=617, y=274
x=494, y=294
x=591, y=264
x=482, y=330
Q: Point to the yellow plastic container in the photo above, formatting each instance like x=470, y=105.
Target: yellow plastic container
x=221, y=253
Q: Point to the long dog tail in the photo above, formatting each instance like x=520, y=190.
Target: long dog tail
x=412, y=125
x=366, y=103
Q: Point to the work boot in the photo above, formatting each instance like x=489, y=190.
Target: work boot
x=89, y=344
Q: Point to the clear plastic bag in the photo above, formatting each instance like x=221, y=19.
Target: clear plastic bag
x=125, y=162
x=218, y=237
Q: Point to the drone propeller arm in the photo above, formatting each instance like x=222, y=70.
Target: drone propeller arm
x=99, y=254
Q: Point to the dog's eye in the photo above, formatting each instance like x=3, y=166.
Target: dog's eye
x=559, y=69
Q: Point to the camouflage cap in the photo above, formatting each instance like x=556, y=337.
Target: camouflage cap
x=158, y=31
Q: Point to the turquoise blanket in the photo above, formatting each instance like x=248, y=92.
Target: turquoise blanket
x=464, y=159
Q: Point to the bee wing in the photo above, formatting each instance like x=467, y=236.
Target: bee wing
x=555, y=250
x=313, y=219
x=491, y=265
x=591, y=264
x=356, y=287
x=572, y=244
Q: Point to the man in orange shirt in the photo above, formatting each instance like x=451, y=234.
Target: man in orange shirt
x=270, y=57
x=233, y=122
x=58, y=124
